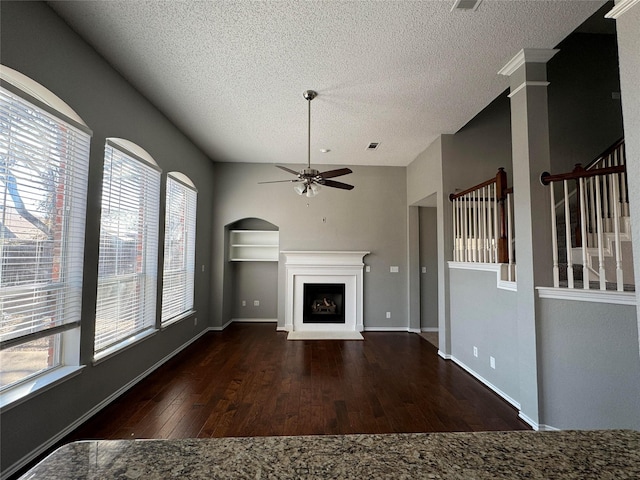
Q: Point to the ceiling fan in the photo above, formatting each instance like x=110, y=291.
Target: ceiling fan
x=309, y=180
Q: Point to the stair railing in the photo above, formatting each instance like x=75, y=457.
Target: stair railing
x=601, y=204
x=611, y=157
x=482, y=223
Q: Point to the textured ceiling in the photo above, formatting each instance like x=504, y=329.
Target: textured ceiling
x=230, y=74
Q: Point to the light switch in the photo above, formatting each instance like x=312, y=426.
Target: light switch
x=394, y=269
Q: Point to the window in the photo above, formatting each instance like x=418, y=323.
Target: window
x=44, y=161
x=127, y=267
x=179, y=247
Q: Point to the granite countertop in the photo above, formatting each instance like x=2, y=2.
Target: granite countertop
x=608, y=454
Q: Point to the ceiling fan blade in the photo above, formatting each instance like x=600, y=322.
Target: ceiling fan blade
x=334, y=184
x=336, y=173
x=281, y=181
x=288, y=170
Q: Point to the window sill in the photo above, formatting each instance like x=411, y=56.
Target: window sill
x=177, y=318
x=122, y=346
x=27, y=390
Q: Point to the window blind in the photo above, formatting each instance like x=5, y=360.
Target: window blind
x=179, y=250
x=44, y=165
x=127, y=266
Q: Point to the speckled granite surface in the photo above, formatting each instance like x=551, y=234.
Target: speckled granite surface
x=488, y=455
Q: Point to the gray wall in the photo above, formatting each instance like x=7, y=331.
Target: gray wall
x=371, y=217
x=629, y=45
x=37, y=43
x=425, y=187
x=456, y=162
x=254, y=281
x=584, y=119
x=478, y=149
x=484, y=316
x=429, y=260
x=589, y=365
x=424, y=174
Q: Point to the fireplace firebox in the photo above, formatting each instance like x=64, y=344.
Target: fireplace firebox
x=324, y=303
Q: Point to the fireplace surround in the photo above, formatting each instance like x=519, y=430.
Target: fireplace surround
x=329, y=269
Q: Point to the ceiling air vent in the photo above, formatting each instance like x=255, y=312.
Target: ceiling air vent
x=465, y=5
x=373, y=145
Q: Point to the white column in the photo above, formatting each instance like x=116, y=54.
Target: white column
x=527, y=72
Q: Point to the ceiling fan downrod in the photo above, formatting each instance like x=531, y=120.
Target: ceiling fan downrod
x=309, y=95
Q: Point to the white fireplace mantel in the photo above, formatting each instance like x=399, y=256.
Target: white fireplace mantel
x=344, y=267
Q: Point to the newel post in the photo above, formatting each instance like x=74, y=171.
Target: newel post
x=501, y=194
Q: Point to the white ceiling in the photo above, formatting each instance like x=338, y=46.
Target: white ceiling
x=230, y=74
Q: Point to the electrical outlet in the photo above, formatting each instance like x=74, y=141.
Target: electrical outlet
x=367, y=268
x=195, y=321
x=203, y=267
x=475, y=351
x=244, y=303
x=492, y=362
x=388, y=314
x=424, y=269
x=256, y=303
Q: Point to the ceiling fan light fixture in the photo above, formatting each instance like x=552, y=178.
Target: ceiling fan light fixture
x=314, y=189
x=300, y=188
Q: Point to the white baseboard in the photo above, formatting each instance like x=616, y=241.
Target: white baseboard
x=546, y=428
x=446, y=356
x=525, y=418
x=83, y=418
x=530, y=421
x=385, y=329
x=430, y=329
x=255, y=320
x=486, y=382
x=413, y=330
x=221, y=328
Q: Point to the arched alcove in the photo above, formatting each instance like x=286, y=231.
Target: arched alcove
x=251, y=271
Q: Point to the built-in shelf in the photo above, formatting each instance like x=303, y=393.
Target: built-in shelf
x=254, y=245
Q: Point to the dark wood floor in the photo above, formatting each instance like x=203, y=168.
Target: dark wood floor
x=250, y=381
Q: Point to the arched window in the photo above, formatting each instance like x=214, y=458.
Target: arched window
x=127, y=267
x=44, y=162
x=179, y=248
